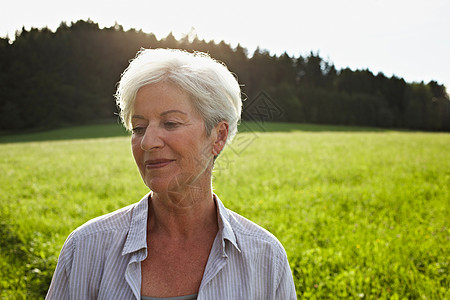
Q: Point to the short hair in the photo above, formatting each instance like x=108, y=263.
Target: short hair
x=213, y=90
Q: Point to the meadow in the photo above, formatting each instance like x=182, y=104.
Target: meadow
x=362, y=213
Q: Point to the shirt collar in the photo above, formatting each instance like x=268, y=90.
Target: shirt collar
x=137, y=234
x=225, y=228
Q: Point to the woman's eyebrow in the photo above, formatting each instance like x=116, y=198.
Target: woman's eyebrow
x=172, y=111
x=138, y=117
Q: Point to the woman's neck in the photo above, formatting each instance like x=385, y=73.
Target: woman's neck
x=183, y=215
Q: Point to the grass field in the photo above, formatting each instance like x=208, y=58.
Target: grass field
x=362, y=213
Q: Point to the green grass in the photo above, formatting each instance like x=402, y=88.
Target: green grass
x=362, y=213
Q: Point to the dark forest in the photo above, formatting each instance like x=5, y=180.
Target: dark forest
x=68, y=77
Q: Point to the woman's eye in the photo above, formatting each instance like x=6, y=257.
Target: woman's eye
x=170, y=124
x=138, y=130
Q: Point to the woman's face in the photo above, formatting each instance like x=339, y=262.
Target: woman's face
x=169, y=140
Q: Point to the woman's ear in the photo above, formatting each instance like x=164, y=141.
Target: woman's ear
x=221, y=133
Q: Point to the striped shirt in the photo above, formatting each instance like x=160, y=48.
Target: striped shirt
x=102, y=259
x=188, y=297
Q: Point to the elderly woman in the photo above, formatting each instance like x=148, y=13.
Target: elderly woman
x=179, y=241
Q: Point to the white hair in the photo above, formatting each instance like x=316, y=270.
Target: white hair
x=213, y=90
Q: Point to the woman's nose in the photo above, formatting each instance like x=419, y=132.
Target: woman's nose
x=151, y=139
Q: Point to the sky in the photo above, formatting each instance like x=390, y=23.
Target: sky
x=405, y=38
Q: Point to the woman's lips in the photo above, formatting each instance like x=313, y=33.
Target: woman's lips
x=157, y=163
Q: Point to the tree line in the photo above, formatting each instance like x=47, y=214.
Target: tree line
x=50, y=79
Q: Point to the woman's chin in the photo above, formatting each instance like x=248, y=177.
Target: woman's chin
x=157, y=186
x=172, y=185
x=163, y=185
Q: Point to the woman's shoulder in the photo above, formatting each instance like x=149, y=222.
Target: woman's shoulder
x=115, y=221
